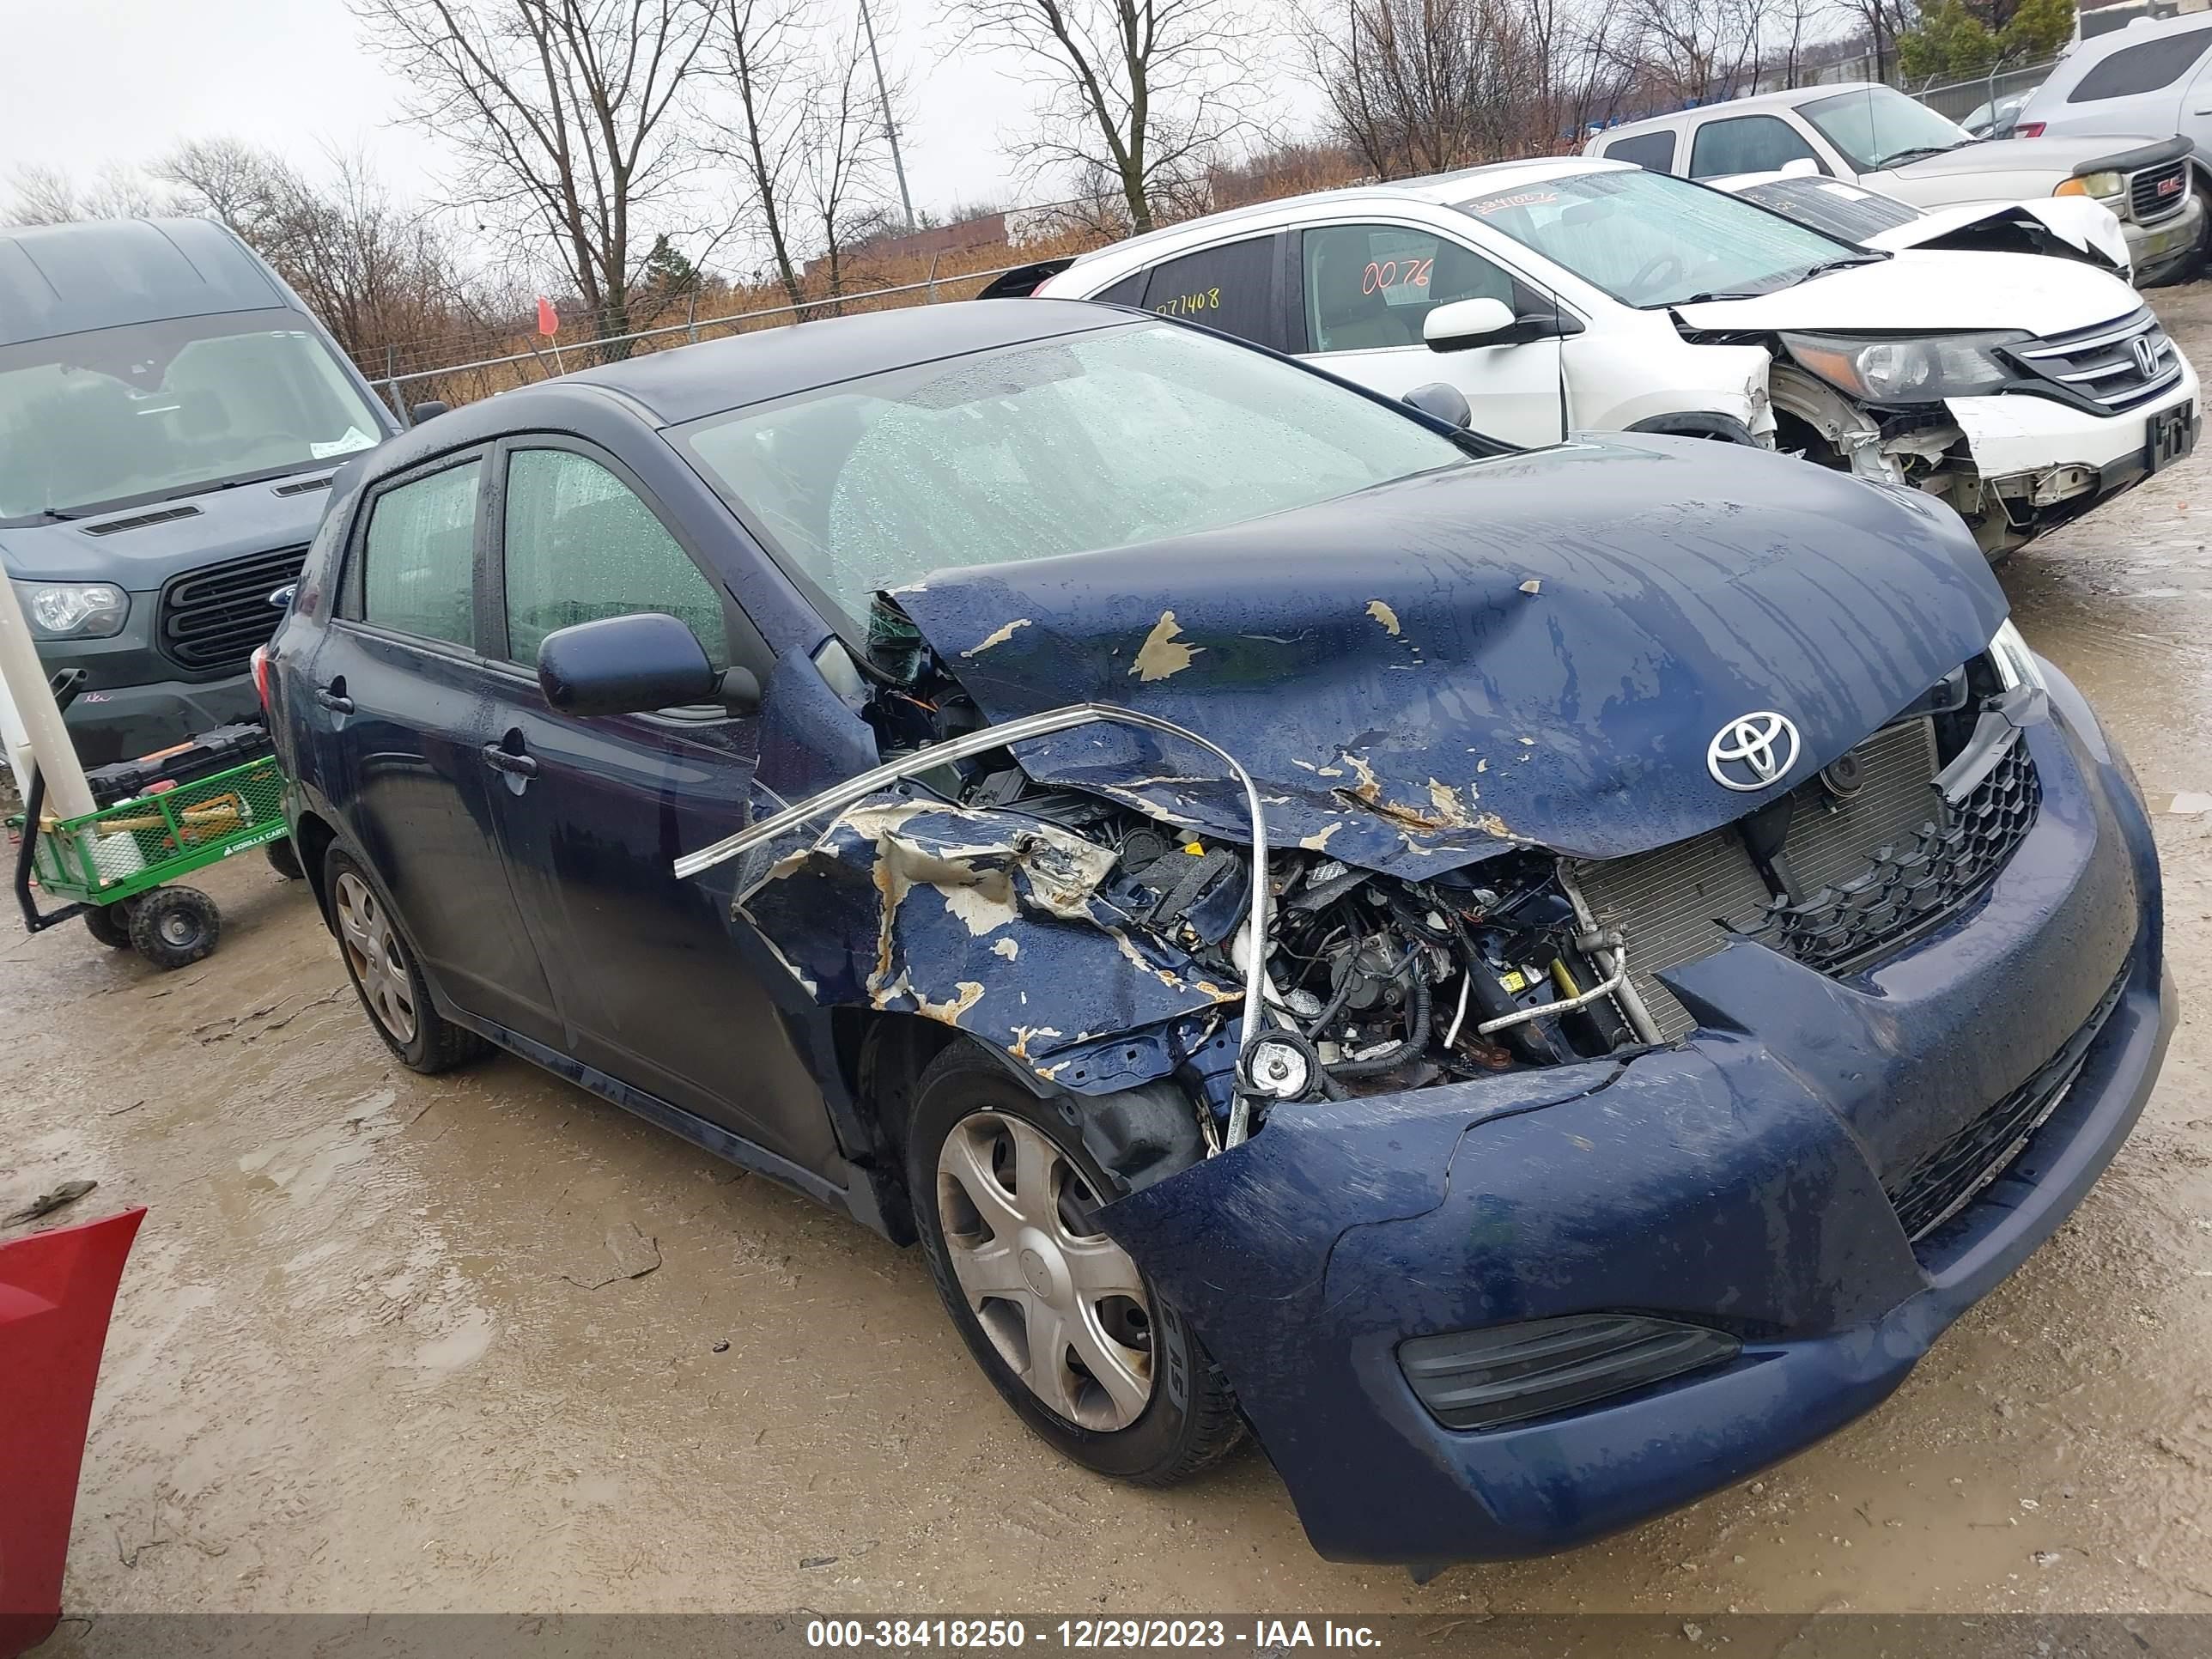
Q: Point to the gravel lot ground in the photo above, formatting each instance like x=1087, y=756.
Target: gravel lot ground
x=354, y=1365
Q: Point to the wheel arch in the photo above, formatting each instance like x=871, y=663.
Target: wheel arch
x=1699, y=423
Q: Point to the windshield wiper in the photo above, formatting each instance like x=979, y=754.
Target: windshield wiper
x=1722, y=294
x=1827, y=265
x=1914, y=152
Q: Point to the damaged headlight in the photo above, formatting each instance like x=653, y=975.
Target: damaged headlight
x=2015, y=664
x=1908, y=371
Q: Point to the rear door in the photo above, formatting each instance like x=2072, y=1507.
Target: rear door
x=658, y=986
x=403, y=697
x=1364, y=291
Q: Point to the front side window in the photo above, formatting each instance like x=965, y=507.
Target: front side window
x=581, y=545
x=1231, y=288
x=2144, y=68
x=1747, y=143
x=1124, y=435
x=1369, y=285
x=159, y=410
x=1649, y=239
x=418, y=559
x=1654, y=150
x=1880, y=127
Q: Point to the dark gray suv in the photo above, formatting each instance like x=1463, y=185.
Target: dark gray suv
x=170, y=415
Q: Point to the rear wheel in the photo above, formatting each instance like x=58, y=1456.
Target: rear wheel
x=111, y=924
x=283, y=858
x=1061, y=1318
x=386, y=977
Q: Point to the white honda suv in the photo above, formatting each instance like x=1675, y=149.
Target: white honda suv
x=1577, y=293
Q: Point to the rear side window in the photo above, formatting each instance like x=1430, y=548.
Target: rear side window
x=1654, y=150
x=580, y=545
x=1747, y=143
x=2143, y=68
x=418, y=559
x=1129, y=291
x=1231, y=288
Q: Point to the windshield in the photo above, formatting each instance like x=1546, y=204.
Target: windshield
x=1650, y=239
x=1831, y=205
x=1879, y=127
x=157, y=409
x=1102, y=440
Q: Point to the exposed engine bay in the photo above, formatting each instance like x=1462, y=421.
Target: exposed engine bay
x=1099, y=947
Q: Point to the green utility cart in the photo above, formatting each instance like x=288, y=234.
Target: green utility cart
x=118, y=866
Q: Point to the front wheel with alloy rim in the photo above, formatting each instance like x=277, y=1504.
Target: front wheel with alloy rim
x=1061, y=1318
x=384, y=974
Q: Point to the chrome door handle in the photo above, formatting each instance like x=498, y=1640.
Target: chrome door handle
x=501, y=760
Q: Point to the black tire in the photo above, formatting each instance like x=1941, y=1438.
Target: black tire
x=283, y=858
x=424, y=1040
x=173, y=927
x=111, y=923
x=1190, y=1420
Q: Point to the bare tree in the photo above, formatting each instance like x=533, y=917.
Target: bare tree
x=848, y=187
x=1138, y=96
x=758, y=48
x=561, y=111
x=47, y=196
x=1695, y=49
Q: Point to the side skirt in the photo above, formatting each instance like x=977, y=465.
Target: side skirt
x=707, y=1137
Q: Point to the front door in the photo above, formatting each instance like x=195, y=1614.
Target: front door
x=403, y=700
x=1366, y=289
x=658, y=986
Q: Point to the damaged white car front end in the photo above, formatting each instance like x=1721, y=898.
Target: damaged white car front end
x=2021, y=389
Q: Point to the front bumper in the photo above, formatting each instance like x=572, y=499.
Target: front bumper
x=2047, y=455
x=2159, y=251
x=134, y=700
x=1733, y=1179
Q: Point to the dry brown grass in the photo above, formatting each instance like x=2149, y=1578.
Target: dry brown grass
x=744, y=309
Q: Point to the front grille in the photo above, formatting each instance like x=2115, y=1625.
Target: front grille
x=1914, y=881
x=2103, y=362
x=1942, y=1183
x=1877, y=870
x=212, y=618
x=2158, y=192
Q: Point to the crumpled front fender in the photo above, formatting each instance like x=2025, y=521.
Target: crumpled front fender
x=988, y=921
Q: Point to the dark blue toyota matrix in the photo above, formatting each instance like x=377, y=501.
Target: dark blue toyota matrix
x=1534, y=982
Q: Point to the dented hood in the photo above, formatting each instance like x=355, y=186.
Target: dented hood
x=2074, y=220
x=1536, y=648
x=1929, y=291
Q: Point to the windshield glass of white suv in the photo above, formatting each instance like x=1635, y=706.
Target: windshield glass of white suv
x=1093, y=440
x=1879, y=127
x=1649, y=239
x=153, y=411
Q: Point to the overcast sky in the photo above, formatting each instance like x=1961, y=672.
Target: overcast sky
x=93, y=82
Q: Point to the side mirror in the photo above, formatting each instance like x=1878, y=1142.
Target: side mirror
x=625, y=665
x=1443, y=400
x=1459, y=323
x=428, y=410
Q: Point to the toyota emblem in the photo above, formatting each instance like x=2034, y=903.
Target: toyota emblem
x=2146, y=355
x=1752, y=750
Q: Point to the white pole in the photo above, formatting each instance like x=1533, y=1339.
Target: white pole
x=68, y=795
x=17, y=741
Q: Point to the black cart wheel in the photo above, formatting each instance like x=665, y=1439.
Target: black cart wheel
x=175, y=927
x=283, y=858
x=111, y=923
